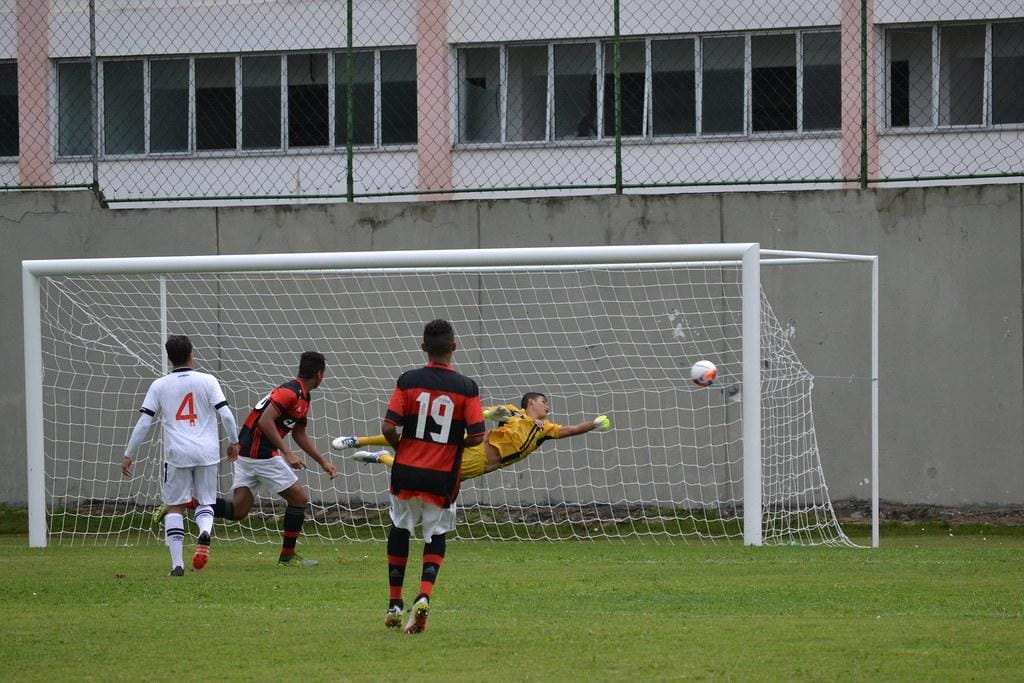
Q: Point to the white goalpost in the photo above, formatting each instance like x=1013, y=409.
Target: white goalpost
x=599, y=329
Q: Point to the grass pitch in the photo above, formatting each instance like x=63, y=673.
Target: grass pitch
x=926, y=606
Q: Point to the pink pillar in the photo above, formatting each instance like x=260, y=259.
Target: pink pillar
x=35, y=163
x=434, y=147
x=850, y=68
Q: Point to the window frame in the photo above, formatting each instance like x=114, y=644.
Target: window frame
x=17, y=99
x=987, y=125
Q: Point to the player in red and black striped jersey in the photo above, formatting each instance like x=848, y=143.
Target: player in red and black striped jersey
x=439, y=412
x=266, y=460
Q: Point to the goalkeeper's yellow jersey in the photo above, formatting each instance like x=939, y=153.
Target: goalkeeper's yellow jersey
x=515, y=437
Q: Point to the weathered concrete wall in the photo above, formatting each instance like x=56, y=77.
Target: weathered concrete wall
x=952, y=391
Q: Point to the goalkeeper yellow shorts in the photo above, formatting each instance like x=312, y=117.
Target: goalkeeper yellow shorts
x=474, y=462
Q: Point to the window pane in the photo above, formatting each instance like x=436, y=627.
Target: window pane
x=308, y=124
x=74, y=100
x=480, y=95
x=631, y=78
x=673, y=89
x=168, y=109
x=398, y=97
x=362, y=99
x=575, y=92
x=910, y=77
x=215, y=103
x=961, y=75
x=1008, y=73
x=822, y=90
x=773, y=82
x=722, y=85
x=9, y=110
x=123, y=128
x=261, y=102
x=527, y=93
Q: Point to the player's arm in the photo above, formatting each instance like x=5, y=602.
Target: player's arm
x=601, y=422
x=475, y=426
x=267, y=425
x=393, y=417
x=305, y=442
x=140, y=433
x=227, y=419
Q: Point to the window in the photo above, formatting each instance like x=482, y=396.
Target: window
x=673, y=87
x=722, y=87
x=575, y=91
x=168, y=109
x=8, y=109
x=215, y=103
x=261, y=102
x=362, y=99
x=773, y=83
x=910, y=77
x=632, y=85
x=822, y=96
x=74, y=102
x=1008, y=73
x=527, y=93
x=123, y=109
x=308, y=115
x=397, y=97
x=480, y=95
x=962, y=75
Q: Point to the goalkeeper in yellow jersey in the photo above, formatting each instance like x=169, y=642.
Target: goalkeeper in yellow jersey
x=520, y=431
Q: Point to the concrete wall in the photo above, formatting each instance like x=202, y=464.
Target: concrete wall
x=952, y=391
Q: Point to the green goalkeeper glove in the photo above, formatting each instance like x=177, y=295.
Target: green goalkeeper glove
x=497, y=413
x=602, y=423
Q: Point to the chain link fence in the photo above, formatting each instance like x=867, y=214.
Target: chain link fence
x=239, y=99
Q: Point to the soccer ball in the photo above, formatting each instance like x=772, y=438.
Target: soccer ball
x=703, y=373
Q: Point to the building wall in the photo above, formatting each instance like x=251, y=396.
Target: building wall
x=952, y=359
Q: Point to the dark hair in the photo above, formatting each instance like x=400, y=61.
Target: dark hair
x=529, y=396
x=438, y=338
x=179, y=348
x=310, y=363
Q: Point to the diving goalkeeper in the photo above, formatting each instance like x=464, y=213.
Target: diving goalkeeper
x=520, y=431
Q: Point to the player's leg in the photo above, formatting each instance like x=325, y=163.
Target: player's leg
x=405, y=515
x=437, y=522
x=354, y=441
x=205, y=483
x=297, y=498
x=177, y=491
x=375, y=457
x=246, y=480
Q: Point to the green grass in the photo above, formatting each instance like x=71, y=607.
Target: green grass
x=926, y=606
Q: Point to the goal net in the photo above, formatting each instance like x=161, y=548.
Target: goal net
x=597, y=339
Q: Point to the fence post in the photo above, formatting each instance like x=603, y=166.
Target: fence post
x=94, y=97
x=349, y=122
x=863, y=94
x=618, y=98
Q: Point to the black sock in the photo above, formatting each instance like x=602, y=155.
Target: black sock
x=293, y=519
x=433, y=558
x=398, y=556
x=224, y=509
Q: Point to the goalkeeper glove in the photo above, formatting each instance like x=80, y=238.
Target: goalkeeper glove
x=602, y=423
x=497, y=413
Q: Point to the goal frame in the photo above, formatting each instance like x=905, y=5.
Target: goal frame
x=748, y=256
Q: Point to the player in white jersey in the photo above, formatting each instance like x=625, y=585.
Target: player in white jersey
x=188, y=403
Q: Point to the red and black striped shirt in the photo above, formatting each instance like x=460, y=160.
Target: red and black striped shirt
x=436, y=408
x=292, y=401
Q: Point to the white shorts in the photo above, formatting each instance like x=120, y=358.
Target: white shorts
x=179, y=485
x=273, y=474
x=406, y=514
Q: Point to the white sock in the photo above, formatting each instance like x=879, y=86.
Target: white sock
x=174, y=536
x=204, y=519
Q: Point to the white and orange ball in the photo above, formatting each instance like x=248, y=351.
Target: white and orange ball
x=703, y=373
